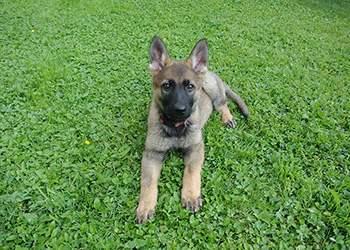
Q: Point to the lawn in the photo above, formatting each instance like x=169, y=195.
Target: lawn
x=74, y=95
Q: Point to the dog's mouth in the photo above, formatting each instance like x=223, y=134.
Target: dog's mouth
x=172, y=123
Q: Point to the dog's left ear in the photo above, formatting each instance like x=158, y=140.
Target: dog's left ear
x=199, y=57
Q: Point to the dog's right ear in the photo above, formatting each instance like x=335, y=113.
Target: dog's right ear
x=158, y=54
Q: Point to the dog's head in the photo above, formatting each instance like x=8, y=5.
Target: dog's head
x=177, y=84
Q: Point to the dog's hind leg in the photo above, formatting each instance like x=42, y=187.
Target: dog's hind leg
x=214, y=87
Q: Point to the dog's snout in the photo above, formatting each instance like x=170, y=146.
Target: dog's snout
x=180, y=109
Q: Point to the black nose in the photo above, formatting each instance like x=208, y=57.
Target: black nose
x=180, y=109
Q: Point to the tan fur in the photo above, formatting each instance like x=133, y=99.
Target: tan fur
x=209, y=91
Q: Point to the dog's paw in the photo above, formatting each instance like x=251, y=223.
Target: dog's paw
x=231, y=123
x=143, y=215
x=228, y=120
x=192, y=204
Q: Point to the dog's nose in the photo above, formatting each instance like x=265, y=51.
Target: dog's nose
x=180, y=109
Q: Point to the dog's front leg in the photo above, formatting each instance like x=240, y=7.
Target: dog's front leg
x=191, y=190
x=150, y=170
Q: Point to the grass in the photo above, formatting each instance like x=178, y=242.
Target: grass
x=77, y=71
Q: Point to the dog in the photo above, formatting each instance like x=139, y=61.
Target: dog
x=184, y=93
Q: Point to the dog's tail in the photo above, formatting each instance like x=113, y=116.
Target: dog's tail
x=238, y=100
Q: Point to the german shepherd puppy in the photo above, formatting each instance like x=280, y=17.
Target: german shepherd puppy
x=184, y=93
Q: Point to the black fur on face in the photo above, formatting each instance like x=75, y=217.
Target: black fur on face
x=177, y=99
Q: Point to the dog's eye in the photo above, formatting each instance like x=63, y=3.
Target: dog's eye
x=190, y=87
x=166, y=86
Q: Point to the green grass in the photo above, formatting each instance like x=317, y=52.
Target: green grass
x=279, y=181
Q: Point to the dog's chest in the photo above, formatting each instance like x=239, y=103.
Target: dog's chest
x=161, y=141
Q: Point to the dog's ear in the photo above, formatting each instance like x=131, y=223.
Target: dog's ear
x=158, y=54
x=199, y=57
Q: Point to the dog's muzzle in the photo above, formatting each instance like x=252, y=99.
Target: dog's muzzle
x=170, y=123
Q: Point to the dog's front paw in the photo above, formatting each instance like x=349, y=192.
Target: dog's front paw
x=193, y=204
x=144, y=214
